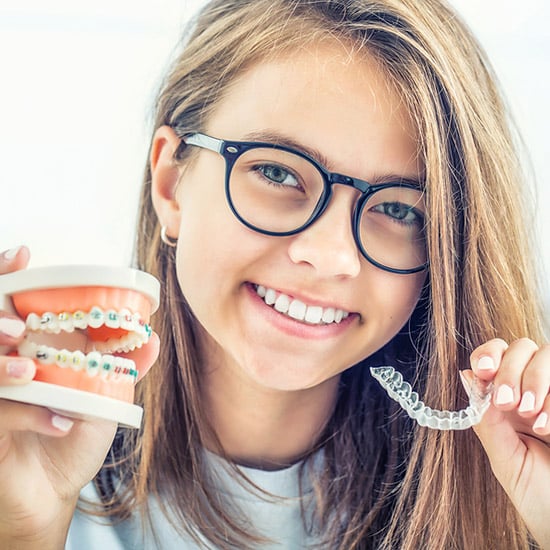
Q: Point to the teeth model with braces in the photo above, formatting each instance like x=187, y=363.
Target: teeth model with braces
x=80, y=322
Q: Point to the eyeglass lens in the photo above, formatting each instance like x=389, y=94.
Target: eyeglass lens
x=278, y=191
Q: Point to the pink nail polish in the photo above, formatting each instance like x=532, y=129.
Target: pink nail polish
x=11, y=253
x=527, y=403
x=505, y=395
x=486, y=363
x=12, y=327
x=62, y=423
x=21, y=368
x=541, y=421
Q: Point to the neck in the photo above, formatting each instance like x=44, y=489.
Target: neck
x=263, y=427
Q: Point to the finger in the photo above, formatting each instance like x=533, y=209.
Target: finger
x=485, y=359
x=535, y=383
x=12, y=329
x=515, y=361
x=21, y=417
x=14, y=259
x=541, y=425
x=145, y=356
x=16, y=370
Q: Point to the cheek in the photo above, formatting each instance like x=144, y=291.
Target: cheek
x=399, y=297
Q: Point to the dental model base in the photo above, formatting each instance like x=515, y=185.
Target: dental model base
x=81, y=322
x=402, y=392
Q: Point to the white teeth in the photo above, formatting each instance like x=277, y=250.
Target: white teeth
x=78, y=360
x=314, y=315
x=96, y=318
x=270, y=296
x=282, y=303
x=112, y=319
x=126, y=319
x=328, y=315
x=80, y=319
x=297, y=310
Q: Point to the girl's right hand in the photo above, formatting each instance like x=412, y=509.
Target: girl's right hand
x=45, y=458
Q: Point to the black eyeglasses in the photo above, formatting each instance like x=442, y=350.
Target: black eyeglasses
x=280, y=191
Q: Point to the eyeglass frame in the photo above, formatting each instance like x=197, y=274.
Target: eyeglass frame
x=232, y=150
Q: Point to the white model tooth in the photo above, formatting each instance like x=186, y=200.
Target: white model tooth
x=112, y=319
x=45, y=355
x=328, y=315
x=270, y=297
x=93, y=362
x=282, y=303
x=78, y=361
x=345, y=314
x=129, y=365
x=130, y=342
x=313, y=314
x=126, y=319
x=49, y=323
x=96, y=318
x=297, y=310
x=117, y=369
x=80, y=319
x=107, y=365
x=63, y=358
x=338, y=316
x=261, y=291
x=65, y=322
x=101, y=346
x=33, y=321
x=27, y=349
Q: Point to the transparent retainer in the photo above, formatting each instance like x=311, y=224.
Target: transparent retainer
x=401, y=391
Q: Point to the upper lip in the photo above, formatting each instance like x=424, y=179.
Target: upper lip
x=306, y=298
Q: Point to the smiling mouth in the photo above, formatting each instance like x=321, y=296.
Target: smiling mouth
x=298, y=310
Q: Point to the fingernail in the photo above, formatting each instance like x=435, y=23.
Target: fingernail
x=21, y=368
x=11, y=253
x=527, y=402
x=541, y=421
x=12, y=327
x=62, y=423
x=505, y=395
x=486, y=363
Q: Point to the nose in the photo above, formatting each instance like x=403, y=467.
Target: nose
x=328, y=244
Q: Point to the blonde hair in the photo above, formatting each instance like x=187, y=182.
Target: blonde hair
x=384, y=484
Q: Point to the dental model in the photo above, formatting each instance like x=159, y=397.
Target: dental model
x=81, y=320
x=402, y=392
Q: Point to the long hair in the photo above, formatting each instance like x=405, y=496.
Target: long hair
x=385, y=483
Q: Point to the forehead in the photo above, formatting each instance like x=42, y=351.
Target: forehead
x=334, y=100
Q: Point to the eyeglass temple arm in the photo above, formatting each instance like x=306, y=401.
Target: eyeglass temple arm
x=204, y=141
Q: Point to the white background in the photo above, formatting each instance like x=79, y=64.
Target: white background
x=77, y=81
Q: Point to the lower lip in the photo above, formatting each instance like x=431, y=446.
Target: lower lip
x=291, y=326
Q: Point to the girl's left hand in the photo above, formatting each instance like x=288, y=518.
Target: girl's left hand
x=515, y=430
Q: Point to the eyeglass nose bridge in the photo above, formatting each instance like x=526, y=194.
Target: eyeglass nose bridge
x=361, y=185
x=333, y=178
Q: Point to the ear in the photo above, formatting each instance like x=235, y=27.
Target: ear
x=165, y=175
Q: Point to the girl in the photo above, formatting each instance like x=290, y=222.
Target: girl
x=331, y=185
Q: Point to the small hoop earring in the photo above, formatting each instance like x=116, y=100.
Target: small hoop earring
x=166, y=239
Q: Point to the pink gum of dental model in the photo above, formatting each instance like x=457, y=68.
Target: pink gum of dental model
x=81, y=321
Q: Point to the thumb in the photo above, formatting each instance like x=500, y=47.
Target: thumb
x=498, y=437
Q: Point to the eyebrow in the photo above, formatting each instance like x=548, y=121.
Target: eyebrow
x=278, y=138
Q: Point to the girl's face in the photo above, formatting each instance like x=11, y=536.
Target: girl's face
x=344, y=109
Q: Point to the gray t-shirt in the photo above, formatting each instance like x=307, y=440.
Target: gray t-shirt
x=279, y=519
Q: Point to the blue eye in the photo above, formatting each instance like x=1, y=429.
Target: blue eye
x=278, y=175
x=400, y=212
